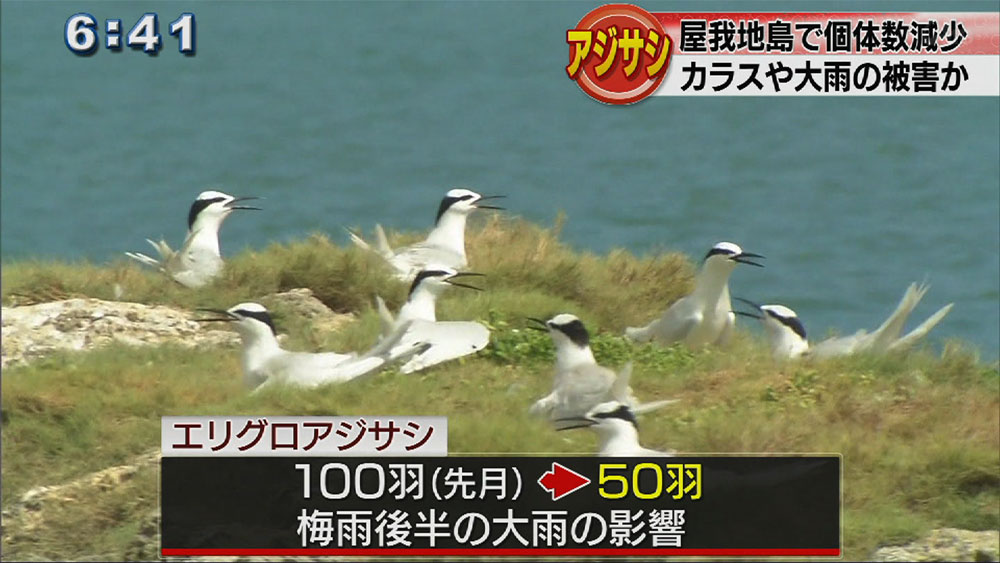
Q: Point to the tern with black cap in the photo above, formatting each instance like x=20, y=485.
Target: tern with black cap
x=787, y=334
x=444, y=340
x=199, y=260
x=704, y=317
x=616, y=428
x=785, y=331
x=265, y=363
x=580, y=382
x=444, y=245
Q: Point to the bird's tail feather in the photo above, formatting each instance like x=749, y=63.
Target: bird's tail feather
x=620, y=389
x=161, y=248
x=890, y=330
x=357, y=240
x=384, y=315
x=921, y=331
x=382, y=242
x=140, y=257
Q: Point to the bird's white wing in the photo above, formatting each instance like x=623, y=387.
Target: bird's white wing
x=582, y=387
x=310, y=370
x=673, y=325
x=194, y=265
x=675, y=328
x=446, y=340
x=398, y=345
x=837, y=346
x=323, y=360
x=352, y=369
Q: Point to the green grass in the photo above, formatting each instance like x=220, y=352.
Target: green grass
x=528, y=271
x=919, y=434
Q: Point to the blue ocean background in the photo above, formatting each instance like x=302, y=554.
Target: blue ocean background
x=347, y=114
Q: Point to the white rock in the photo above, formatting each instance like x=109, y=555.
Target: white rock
x=33, y=331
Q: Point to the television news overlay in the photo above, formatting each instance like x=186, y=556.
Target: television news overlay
x=620, y=54
x=82, y=34
x=384, y=486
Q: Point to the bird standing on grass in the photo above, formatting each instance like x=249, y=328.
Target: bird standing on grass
x=705, y=317
x=444, y=245
x=579, y=382
x=199, y=260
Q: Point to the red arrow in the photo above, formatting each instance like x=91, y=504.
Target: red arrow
x=562, y=481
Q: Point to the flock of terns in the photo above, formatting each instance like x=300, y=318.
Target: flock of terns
x=584, y=393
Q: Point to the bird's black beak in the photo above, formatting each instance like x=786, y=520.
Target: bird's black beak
x=458, y=284
x=485, y=197
x=245, y=198
x=572, y=423
x=543, y=326
x=226, y=315
x=752, y=304
x=742, y=258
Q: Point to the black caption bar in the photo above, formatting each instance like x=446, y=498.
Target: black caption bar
x=489, y=506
